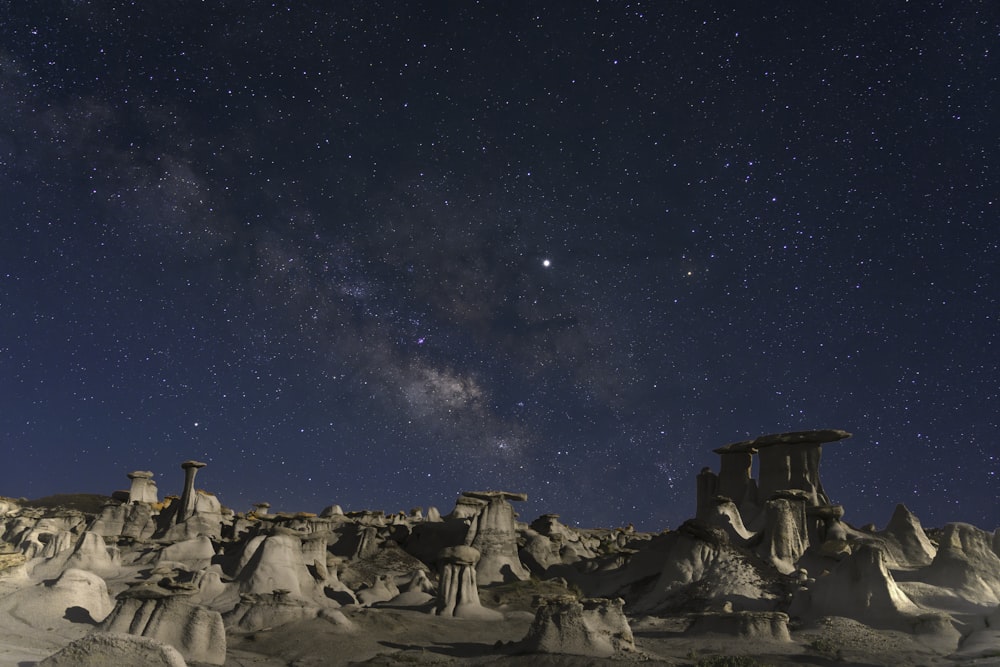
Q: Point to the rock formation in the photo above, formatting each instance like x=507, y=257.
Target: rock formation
x=860, y=587
x=186, y=507
x=759, y=554
x=143, y=489
x=196, y=632
x=752, y=626
x=589, y=627
x=102, y=649
x=458, y=592
x=494, y=535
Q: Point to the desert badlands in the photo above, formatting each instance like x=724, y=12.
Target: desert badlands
x=766, y=573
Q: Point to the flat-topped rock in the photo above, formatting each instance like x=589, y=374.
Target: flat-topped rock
x=817, y=437
x=192, y=464
x=741, y=447
x=491, y=495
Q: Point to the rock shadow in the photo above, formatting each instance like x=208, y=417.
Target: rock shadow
x=79, y=615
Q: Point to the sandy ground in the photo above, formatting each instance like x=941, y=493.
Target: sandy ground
x=393, y=636
x=396, y=636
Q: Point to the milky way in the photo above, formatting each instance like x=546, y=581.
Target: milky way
x=376, y=254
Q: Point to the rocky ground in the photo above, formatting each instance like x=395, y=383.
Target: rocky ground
x=130, y=579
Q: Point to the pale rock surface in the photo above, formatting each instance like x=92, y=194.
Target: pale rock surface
x=136, y=521
x=256, y=612
x=143, y=488
x=907, y=544
x=859, y=587
x=77, y=595
x=332, y=511
x=198, y=633
x=746, y=625
x=965, y=562
x=276, y=564
x=493, y=533
x=700, y=565
x=93, y=554
x=785, y=534
x=196, y=553
x=382, y=589
x=458, y=592
x=417, y=592
x=594, y=627
x=204, y=517
x=724, y=513
x=103, y=649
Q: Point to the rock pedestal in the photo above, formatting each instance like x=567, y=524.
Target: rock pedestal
x=143, y=488
x=458, y=594
x=187, y=498
x=493, y=533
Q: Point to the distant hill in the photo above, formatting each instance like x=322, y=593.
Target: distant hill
x=90, y=503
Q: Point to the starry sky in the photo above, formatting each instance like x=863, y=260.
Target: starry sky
x=377, y=253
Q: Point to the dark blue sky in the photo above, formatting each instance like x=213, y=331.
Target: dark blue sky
x=376, y=254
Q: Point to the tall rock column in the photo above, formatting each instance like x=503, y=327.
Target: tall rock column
x=493, y=533
x=187, y=498
x=707, y=489
x=735, y=461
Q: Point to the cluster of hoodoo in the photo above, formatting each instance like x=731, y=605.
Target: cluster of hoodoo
x=161, y=582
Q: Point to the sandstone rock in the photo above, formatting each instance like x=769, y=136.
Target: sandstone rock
x=196, y=632
x=93, y=554
x=594, y=627
x=785, y=536
x=905, y=531
x=276, y=564
x=965, y=562
x=734, y=479
x=190, y=469
x=143, y=489
x=746, y=625
x=103, y=649
x=195, y=553
x=859, y=587
x=382, y=589
x=494, y=535
x=256, y=612
x=458, y=593
x=724, y=513
x=81, y=595
x=699, y=566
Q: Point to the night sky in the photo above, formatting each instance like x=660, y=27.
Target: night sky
x=377, y=253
